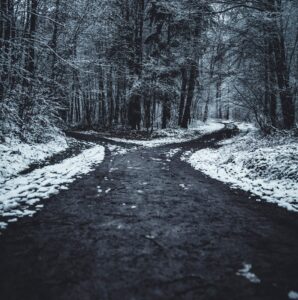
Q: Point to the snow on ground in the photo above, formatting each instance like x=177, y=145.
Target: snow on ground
x=117, y=150
x=293, y=295
x=265, y=166
x=172, y=152
x=149, y=143
x=242, y=126
x=246, y=273
x=185, y=187
x=20, y=195
x=172, y=136
x=245, y=127
x=16, y=156
x=207, y=127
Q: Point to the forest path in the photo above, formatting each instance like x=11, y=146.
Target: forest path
x=145, y=225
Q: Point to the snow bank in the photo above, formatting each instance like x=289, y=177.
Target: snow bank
x=208, y=127
x=20, y=195
x=293, y=295
x=150, y=143
x=242, y=126
x=267, y=167
x=16, y=156
x=172, y=136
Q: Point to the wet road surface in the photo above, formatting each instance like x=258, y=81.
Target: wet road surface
x=145, y=225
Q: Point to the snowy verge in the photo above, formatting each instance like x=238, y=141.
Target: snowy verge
x=19, y=196
x=172, y=136
x=264, y=166
x=16, y=156
x=210, y=126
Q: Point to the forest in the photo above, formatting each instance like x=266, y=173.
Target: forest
x=146, y=64
x=148, y=149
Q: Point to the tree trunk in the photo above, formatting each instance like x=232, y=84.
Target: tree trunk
x=102, y=108
x=166, y=112
x=190, y=94
x=134, y=112
x=218, y=98
x=147, y=113
x=54, y=40
x=281, y=67
x=266, y=86
x=134, y=109
x=30, y=65
x=183, y=94
x=272, y=87
x=29, y=60
x=206, y=110
x=6, y=19
x=110, y=97
x=119, y=92
x=287, y=103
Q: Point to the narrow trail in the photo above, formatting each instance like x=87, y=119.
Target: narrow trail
x=145, y=225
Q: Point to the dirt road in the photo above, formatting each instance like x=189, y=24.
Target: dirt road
x=145, y=225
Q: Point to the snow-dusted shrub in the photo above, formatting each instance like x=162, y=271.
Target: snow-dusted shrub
x=37, y=122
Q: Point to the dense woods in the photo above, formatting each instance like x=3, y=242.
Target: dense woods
x=145, y=64
x=148, y=149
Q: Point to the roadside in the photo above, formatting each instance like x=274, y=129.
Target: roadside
x=266, y=166
x=17, y=156
x=21, y=196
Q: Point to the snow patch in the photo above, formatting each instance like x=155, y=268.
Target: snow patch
x=156, y=159
x=23, y=192
x=108, y=190
x=207, y=127
x=3, y=225
x=293, y=295
x=117, y=150
x=150, y=143
x=184, y=187
x=173, y=152
x=99, y=190
x=172, y=136
x=266, y=167
x=245, y=272
x=16, y=156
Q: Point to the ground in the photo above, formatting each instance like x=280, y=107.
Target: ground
x=267, y=166
x=145, y=225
